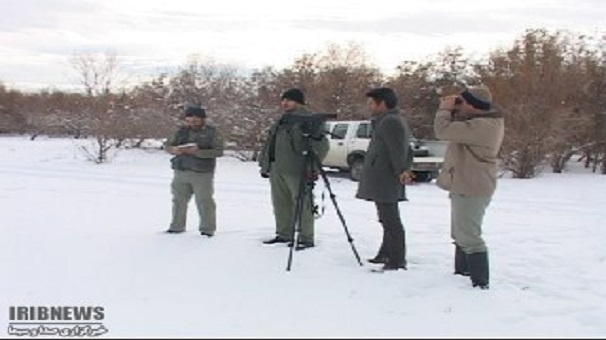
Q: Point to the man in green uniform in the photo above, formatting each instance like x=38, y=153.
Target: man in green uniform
x=282, y=161
x=195, y=148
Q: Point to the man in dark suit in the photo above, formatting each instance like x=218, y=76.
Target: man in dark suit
x=386, y=169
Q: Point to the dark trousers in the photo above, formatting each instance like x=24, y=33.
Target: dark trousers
x=394, y=238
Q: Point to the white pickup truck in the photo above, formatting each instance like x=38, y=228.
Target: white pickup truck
x=349, y=141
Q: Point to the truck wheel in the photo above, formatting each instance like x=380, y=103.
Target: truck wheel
x=423, y=177
x=355, y=172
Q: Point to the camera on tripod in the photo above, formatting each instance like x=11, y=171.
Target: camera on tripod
x=311, y=124
x=313, y=128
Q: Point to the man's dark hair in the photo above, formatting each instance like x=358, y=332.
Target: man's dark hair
x=295, y=95
x=193, y=111
x=383, y=94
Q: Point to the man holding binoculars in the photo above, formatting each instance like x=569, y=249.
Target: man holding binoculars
x=475, y=130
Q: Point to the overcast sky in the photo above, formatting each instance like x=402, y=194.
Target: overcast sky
x=38, y=37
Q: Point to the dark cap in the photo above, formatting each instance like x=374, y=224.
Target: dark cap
x=295, y=95
x=478, y=97
x=195, y=112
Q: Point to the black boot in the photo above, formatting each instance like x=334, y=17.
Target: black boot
x=277, y=239
x=381, y=257
x=390, y=265
x=478, y=269
x=460, y=262
x=396, y=254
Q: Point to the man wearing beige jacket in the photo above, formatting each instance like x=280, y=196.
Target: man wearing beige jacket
x=475, y=130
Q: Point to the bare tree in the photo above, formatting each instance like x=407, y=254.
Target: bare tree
x=99, y=75
x=551, y=86
x=594, y=91
x=421, y=84
x=531, y=81
x=345, y=73
x=151, y=111
x=259, y=110
x=215, y=86
x=12, y=118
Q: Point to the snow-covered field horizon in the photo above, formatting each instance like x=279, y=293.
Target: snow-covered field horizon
x=79, y=234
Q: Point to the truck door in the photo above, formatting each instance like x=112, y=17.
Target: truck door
x=337, y=153
x=358, y=145
x=361, y=138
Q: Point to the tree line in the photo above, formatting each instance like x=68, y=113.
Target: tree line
x=551, y=87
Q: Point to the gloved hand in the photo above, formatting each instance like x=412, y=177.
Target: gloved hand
x=312, y=176
x=264, y=174
x=317, y=135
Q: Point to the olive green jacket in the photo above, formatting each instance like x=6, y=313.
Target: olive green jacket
x=208, y=139
x=283, y=150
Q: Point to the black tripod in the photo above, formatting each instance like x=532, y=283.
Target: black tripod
x=306, y=185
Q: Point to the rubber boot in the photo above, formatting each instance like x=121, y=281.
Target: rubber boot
x=461, y=264
x=478, y=269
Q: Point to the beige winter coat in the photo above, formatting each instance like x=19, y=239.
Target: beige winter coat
x=470, y=164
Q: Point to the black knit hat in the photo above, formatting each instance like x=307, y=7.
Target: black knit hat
x=478, y=97
x=195, y=112
x=294, y=95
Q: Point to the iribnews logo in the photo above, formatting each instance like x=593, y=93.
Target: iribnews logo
x=63, y=321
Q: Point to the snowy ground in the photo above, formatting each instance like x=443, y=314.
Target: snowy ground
x=79, y=234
